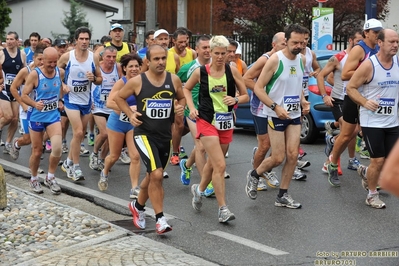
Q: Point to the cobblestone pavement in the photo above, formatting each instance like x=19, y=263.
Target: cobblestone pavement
x=39, y=231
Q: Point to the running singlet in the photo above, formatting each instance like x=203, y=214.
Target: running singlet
x=47, y=91
x=157, y=109
x=307, y=70
x=284, y=87
x=11, y=67
x=121, y=50
x=256, y=104
x=101, y=92
x=184, y=74
x=384, y=88
x=187, y=58
x=75, y=78
x=170, y=62
x=29, y=55
x=22, y=113
x=212, y=91
x=339, y=88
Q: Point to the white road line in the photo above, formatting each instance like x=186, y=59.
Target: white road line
x=248, y=243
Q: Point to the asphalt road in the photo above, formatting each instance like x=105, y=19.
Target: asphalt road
x=334, y=224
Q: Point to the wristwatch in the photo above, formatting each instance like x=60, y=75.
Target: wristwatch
x=236, y=99
x=323, y=95
x=273, y=106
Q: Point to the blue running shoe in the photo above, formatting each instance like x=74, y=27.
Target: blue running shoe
x=209, y=191
x=185, y=174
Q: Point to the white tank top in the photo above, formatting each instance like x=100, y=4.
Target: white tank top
x=307, y=70
x=383, y=87
x=77, y=81
x=100, y=92
x=285, y=88
x=339, y=89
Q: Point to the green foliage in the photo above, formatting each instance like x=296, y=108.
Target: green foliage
x=74, y=18
x=5, y=19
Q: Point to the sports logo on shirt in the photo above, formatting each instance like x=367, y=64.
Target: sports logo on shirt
x=293, y=70
x=218, y=88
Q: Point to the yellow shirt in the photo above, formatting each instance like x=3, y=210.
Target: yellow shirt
x=170, y=62
x=187, y=58
x=124, y=50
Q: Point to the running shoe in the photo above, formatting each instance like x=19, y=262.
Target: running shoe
x=182, y=153
x=134, y=192
x=165, y=174
x=77, y=174
x=138, y=216
x=103, y=182
x=301, y=153
x=14, y=152
x=362, y=171
x=65, y=148
x=298, y=175
x=364, y=153
x=84, y=151
x=271, y=179
x=174, y=160
x=327, y=126
x=52, y=185
x=353, y=164
x=90, y=140
x=333, y=178
x=262, y=185
x=226, y=175
x=225, y=215
x=1, y=142
x=324, y=168
x=197, y=198
x=329, y=144
x=374, y=201
x=185, y=172
x=251, y=187
x=48, y=146
x=124, y=157
x=287, y=201
x=68, y=169
x=162, y=226
x=226, y=155
x=101, y=165
x=302, y=164
x=36, y=187
x=93, y=161
x=209, y=191
x=7, y=148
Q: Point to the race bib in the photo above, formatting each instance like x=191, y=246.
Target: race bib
x=158, y=108
x=104, y=94
x=80, y=85
x=124, y=118
x=9, y=79
x=50, y=104
x=291, y=103
x=224, y=121
x=386, y=106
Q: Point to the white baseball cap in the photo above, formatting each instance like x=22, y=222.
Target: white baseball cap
x=159, y=32
x=373, y=24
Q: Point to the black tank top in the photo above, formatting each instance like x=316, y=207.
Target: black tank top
x=157, y=109
x=11, y=67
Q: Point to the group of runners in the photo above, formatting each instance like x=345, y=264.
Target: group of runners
x=145, y=101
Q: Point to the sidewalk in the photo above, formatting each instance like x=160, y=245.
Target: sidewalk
x=39, y=231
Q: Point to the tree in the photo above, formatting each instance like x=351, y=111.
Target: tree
x=5, y=19
x=269, y=16
x=75, y=18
